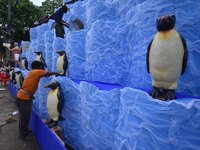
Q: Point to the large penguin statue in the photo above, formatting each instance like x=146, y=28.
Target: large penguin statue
x=24, y=63
x=166, y=58
x=55, y=102
x=40, y=58
x=19, y=78
x=62, y=63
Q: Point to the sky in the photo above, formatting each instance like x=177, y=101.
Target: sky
x=37, y=2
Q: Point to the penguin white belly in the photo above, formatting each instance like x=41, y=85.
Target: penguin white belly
x=23, y=64
x=165, y=59
x=60, y=65
x=38, y=58
x=18, y=80
x=52, y=103
x=11, y=76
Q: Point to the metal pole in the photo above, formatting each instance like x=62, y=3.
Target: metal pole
x=9, y=20
x=8, y=30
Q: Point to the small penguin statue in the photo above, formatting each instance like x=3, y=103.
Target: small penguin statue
x=24, y=63
x=19, y=78
x=12, y=76
x=62, y=63
x=40, y=58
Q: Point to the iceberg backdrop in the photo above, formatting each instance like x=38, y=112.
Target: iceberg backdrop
x=110, y=112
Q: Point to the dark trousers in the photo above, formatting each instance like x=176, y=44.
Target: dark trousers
x=25, y=107
x=60, y=32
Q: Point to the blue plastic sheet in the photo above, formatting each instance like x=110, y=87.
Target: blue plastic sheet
x=145, y=123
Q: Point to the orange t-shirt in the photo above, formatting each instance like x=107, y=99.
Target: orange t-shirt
x=30, y=83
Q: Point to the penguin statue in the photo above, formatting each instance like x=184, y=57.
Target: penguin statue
x=12, y=76
x=62, y=63
x=40, y=58
x=55, y=103
x=24, y=63
x=19, y=78
x=166, y=58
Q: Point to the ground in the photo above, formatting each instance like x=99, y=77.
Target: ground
x=9, y=133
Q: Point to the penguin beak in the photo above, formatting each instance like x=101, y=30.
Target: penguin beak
x=47, y=86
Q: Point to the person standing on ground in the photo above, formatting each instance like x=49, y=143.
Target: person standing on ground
x=25, y=96
x=15, y=53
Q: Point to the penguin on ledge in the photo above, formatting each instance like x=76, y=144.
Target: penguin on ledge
x=24, y=63
x=40, y=58
x=55, y=103
x=166, y=58
x=12, y=76
x=62, y=63
x=19, y=78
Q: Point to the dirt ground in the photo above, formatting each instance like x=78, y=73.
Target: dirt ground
x=9, y=133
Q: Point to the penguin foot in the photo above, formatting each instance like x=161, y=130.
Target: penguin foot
x=48, y=122
x=162, y=94
x=68, y=147
x=53, y=124
x=170, y=95
x=156, y=93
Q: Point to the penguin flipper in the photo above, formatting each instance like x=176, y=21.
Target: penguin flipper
x=21, y=79
x=65, y=64
x=61, y=117
x=60, y=103
x=147, y=57
x=44, y=62
x=185, y=57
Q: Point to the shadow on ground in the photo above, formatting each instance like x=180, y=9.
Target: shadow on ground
x=9, y=132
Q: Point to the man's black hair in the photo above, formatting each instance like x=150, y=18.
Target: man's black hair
x=37, y=65
x=64, y=8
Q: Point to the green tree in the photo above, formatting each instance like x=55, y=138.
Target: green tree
x=23, y=12
x=48, y=6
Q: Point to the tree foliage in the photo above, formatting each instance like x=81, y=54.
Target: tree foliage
x=49, y=6
x=22, y=13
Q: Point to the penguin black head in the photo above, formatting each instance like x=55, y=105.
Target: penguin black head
x=53, y=85
x=38, y=53
x=22, y=58
x=61, y=52
x=166, y=22
x=18, y=72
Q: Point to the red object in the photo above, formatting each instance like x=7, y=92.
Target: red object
x=3, y=78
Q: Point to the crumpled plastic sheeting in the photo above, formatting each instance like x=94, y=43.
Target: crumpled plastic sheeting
x=49, y=35
x=31, y=56
x=188, y=25
x=100, y=60
x=145, y=123
x=90, y=115
x=76, y=53
x=33, y=34
x=131, y=30
x=25, y=47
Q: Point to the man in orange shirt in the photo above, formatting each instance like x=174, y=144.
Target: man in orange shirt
x=25, y=97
